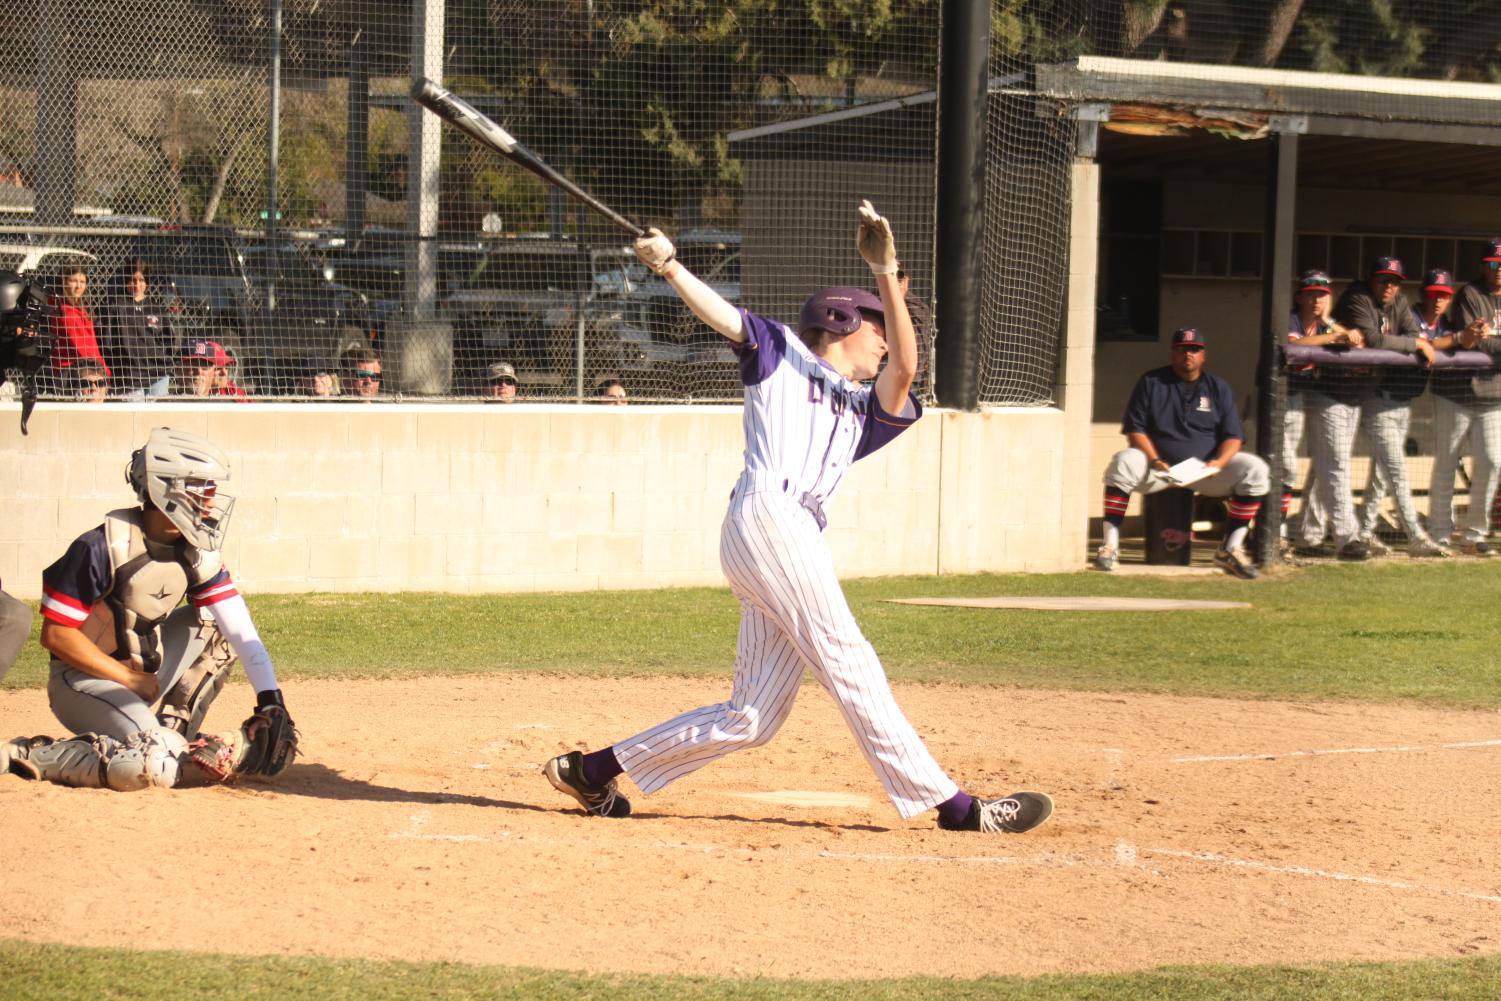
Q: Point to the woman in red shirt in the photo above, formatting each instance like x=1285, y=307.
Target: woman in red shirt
x=73, y=326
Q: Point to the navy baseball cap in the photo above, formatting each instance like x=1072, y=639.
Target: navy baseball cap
x=1188, y=335
x=1388, y=266
x=1438, y=280
x=1314, y=280
x=1492, y=250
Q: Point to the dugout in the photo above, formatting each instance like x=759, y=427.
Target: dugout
x=1216, y=185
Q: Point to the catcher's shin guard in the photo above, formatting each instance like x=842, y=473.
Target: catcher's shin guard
x=185, y=706
x=93, y=760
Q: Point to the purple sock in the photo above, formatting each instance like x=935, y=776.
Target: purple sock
x=600, y=767
x=955, y=810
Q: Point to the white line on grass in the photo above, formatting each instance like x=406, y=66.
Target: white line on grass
x=1394, y=749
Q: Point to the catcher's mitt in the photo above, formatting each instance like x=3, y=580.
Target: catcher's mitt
x=265, y=744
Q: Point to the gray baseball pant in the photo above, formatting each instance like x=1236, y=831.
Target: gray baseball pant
x=1453, y=424
x=86, y=704
x=1331, y=435
x=15, y=626
x=1385, y=422
x=1245, y=475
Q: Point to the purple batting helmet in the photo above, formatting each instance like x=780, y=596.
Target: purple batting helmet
x=838, y=310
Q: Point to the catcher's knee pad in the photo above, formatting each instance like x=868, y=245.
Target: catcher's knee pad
x=187, y=703
x=148, y=758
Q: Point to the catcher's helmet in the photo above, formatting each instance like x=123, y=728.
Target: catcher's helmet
x=838, y=310
x=179, y=473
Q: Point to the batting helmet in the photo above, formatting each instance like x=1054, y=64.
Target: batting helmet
x=838, y=310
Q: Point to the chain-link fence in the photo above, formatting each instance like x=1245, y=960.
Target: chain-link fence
x=150, y=141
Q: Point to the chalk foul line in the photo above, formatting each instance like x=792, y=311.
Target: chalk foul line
x=1393, y=749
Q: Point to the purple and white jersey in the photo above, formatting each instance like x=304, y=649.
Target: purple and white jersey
x=804, y=422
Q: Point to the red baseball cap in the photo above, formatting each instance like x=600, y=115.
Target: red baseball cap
x=1388, y=266
x=1314, y=280
x=1187, y=335
x=1438, y=281
x=1492, y=250
x=210, y=351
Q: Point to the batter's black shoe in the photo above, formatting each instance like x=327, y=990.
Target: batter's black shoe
x=566, y=773
x=1354, y=551
x=1318, y=551
x=1016, y=814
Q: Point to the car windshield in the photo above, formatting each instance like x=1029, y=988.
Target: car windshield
x=184, y=256
x=530, y=271
x=291, y=266
x=11, y=262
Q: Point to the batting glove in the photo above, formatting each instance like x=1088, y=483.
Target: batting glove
x=657, y=253
x=875, y=242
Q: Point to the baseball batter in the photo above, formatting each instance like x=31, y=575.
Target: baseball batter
x=809, y=413
x=118, y=646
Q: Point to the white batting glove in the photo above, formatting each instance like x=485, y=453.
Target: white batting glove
x=657, y=253
x=875, y=242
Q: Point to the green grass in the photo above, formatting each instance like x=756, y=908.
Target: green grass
x=1391, y=631
x=56, y=973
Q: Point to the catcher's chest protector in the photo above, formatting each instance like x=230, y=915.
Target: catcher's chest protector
x=149, y=581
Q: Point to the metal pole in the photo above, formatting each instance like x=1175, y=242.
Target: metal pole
x=273, y=163
x=357, y=152
x=1276, y=302
x=963, y=71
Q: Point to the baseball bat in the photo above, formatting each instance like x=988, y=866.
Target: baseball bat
x=463, y=115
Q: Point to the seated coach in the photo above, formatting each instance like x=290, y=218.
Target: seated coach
x=1182, y=429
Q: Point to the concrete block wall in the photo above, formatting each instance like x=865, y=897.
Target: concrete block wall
x=467, y=498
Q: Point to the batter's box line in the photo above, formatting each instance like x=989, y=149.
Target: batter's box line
x=1466, y=745
x=1211, y=858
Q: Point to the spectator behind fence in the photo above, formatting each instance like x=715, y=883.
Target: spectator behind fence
x=362, y=373
x=1176, y=414
x=90, y=380
x=320, y=377
x=500, y=383
x=1310, y=325
x=139, y=340
x=611, y=392
x=73, y=334
x=203, y=371
x=1385, y=418
x=1467, y=408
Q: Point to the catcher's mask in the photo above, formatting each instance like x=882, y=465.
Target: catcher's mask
x=179, y=473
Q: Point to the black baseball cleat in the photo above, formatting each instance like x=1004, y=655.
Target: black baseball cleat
x=565, y=772
x=1015, y=814
x=1236, y=563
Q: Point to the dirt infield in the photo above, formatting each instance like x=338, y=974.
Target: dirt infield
x=417, y=826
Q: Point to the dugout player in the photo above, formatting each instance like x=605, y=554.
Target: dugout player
x=1175, y=413
x=1385, y=417
x=1467, y=408
x=809, y=412
x=119, y=648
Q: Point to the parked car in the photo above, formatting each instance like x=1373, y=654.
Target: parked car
x=664, y=347
x=221, y=278
x=522, y=303
x=43, y=262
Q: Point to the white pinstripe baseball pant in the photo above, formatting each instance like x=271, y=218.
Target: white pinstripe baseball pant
x=1385, y=422
x=1331, y=434
x=1453, y=423
x=793, y=616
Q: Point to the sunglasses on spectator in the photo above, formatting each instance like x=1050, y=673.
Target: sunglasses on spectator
x=504, y=380
x=366, y=374
x=1493, y=265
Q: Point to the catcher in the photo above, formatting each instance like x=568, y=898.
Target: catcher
x=119, y=648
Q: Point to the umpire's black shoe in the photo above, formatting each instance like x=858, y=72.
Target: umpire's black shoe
x=565, y=772
x=1016, y=814
x=1321, y=551
x=1354, y=551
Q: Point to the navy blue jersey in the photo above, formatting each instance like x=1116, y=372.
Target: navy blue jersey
x=1185, y=420
x=83, y=576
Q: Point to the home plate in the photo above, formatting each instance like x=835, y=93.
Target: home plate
x=1079, y=604
x=807, y=797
